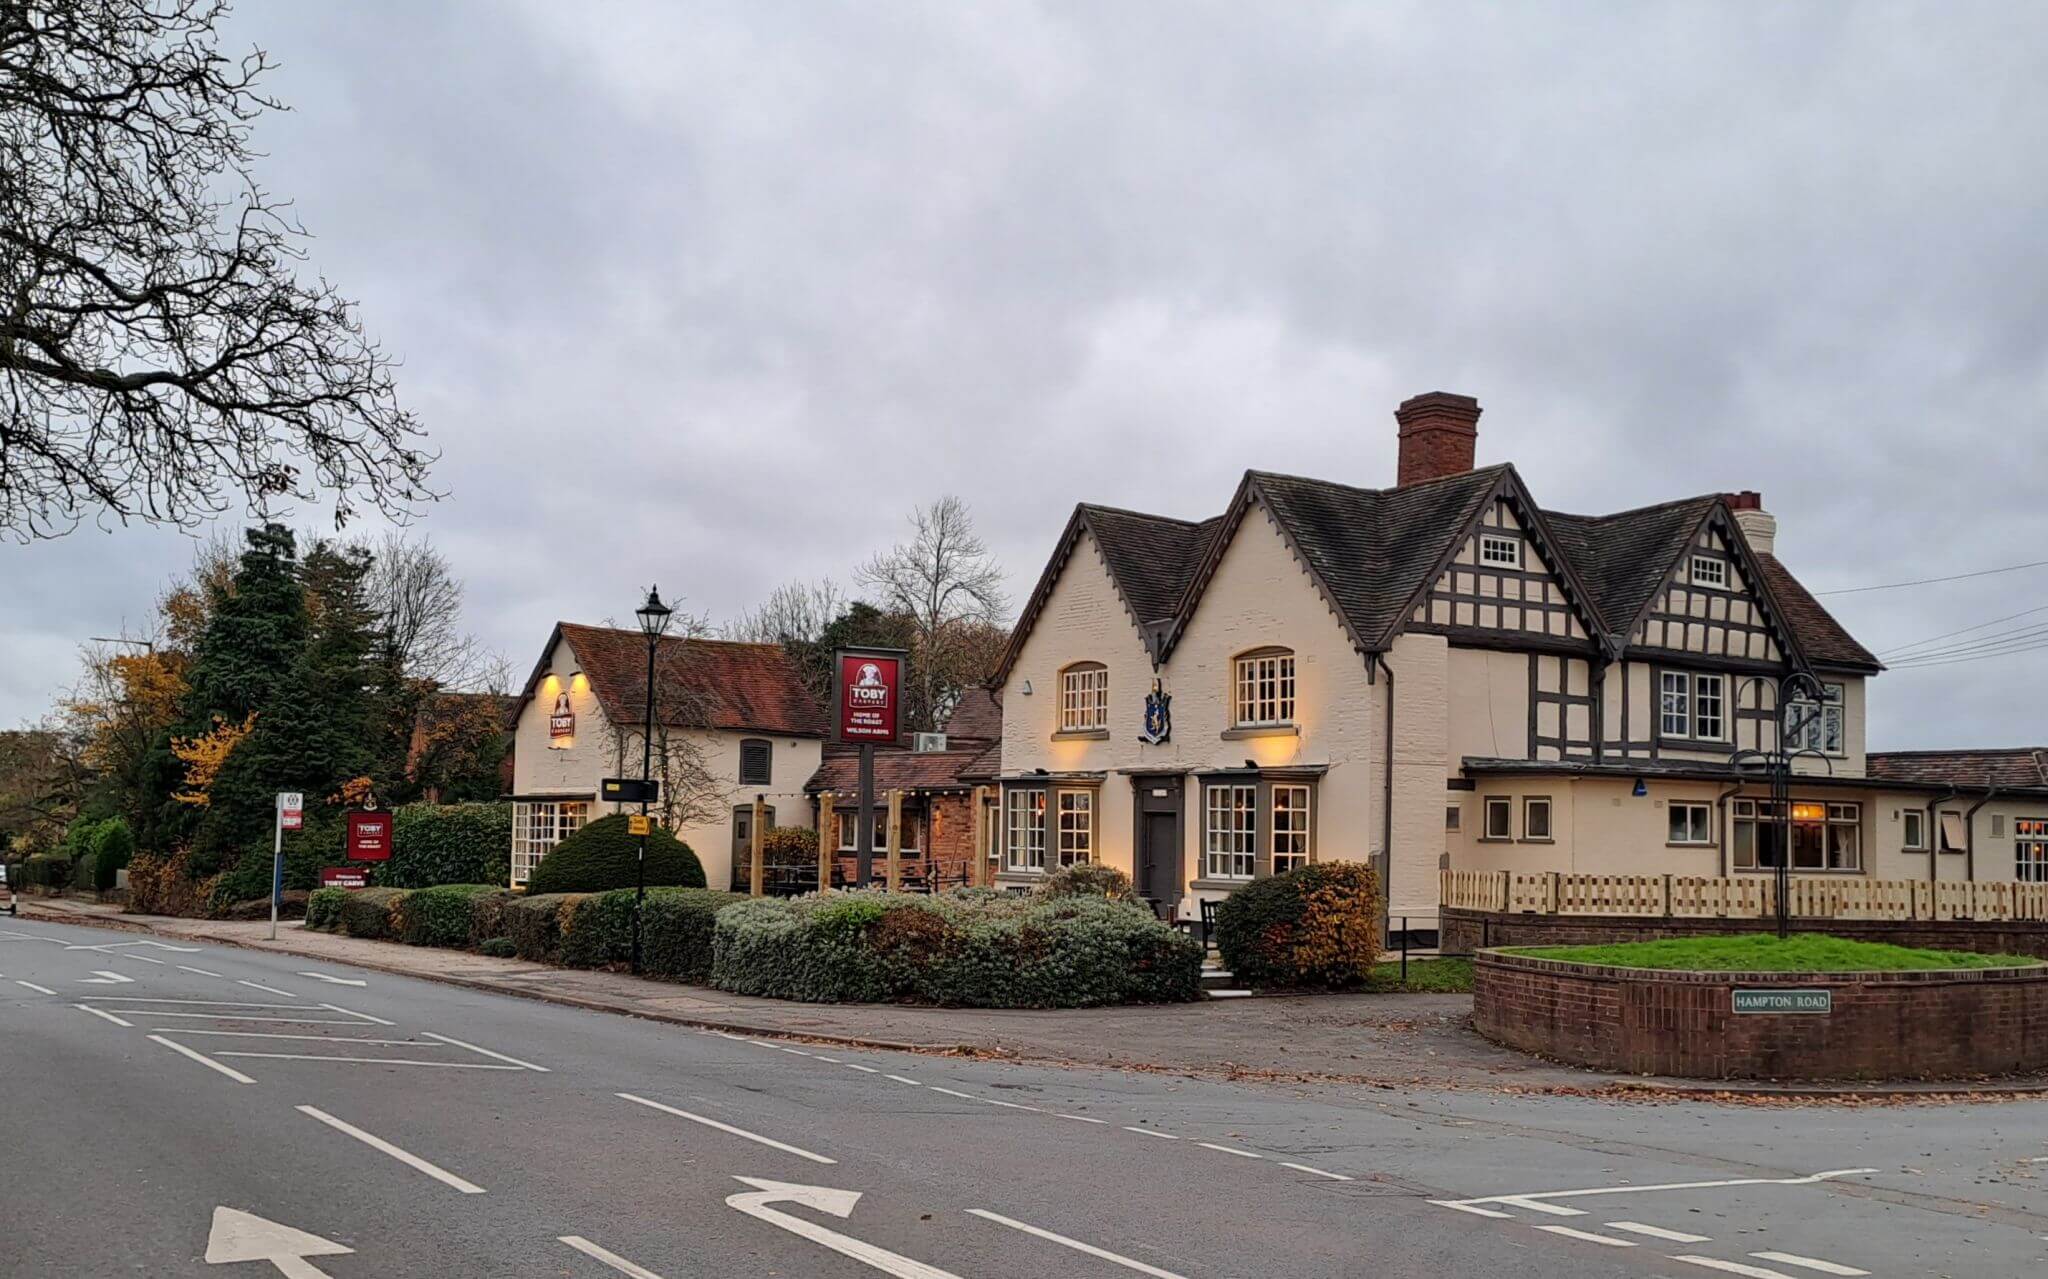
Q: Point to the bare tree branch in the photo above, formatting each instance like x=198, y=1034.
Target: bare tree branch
x=794, y=612
x=946, y=581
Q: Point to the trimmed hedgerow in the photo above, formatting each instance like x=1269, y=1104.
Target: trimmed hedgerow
x=370, y=912
x=1087, y=879
x=971, y=950
x=323, y=908
x=1318, y=926
x=602, y=856
x=443, y=915
x=435, y=844
x=496, y=947
x=536, y=925
x=676, y=931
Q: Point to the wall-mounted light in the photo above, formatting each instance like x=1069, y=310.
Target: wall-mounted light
x=1642, y=788
x=1025, y=688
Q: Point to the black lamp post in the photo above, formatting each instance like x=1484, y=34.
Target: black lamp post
x=653, y=617
x=1796, y=688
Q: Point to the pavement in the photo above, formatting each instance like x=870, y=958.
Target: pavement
x=181, y=1107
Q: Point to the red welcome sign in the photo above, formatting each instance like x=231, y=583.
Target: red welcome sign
x=344, y=877
x=369, y=836
x=869, y=695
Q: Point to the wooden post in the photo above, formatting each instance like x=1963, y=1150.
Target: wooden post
x=828, y=841
x=760, y=843
x=895, y=839
x=977, y=866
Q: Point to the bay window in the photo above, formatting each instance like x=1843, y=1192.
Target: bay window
x=539, y=825
x=1230, y=833
x=1076, y=826
x=1290, y=828
x=1024, y=830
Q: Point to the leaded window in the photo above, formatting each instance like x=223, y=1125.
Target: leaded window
x=1084, y=698
x=539, y=825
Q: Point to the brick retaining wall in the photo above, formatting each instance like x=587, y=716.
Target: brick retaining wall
x=1465, y=931
x=1909, y=1025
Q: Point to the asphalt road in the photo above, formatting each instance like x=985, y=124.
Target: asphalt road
x=161, y=1104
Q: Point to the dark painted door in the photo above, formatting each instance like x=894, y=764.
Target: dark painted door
x=1159, y=858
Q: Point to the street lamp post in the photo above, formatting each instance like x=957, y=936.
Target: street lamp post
x=1796, y=688
x=653, y=617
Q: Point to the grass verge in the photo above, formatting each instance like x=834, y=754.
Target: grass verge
x=1425, y=976
x=1764, y=953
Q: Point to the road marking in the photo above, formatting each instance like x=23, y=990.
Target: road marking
x=122, y=954
x=1089, y=1248
x=770, y=1142
x=839, y=1203
x=267, y=1034
x=187, y=968
x=339, y=981
x=203, y=1003
x=485, y=1051
x=101, y=977
x=1461, y=1206
x=1148, y=1132
x=1656, y=1232
x=797, y=1051
x=114, y=946
x=239, y=1236
x=268, y=990
x=45, y=990
x=819, y=1056
x=865, y=1070
x=1229, y=1150
x=108, y=1016
x=951, y=1093
x=612, y=1259
x=1331, y=1176
x=410, y=1160
x=1079, y=1119
x=1012, y=1105
x=353, y=1013
x=371, y=1061
x=203, y=1060
x=901, y=1080
x=1809, y=1263
x=1587, y=1235
x=1534, y=1201
x=277, y=1021
x=1734, y=1268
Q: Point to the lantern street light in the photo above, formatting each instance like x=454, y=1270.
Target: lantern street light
x=653, y=617
x=1797, y=689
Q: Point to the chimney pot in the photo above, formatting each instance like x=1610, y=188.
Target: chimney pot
x=1759, y=527
x=1439, y=433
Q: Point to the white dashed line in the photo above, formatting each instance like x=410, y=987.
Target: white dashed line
x=823, y=1057
x=612, y=1259
x=1150, y=1132
x=186, y=968
x=1079, y=1119
x=372, y=1061
x=268, y=990
x=1587, y=1236
x=865, y=1070
x=353, y=1013
x=1734, y=1268
x=1809, y=1263
x=203, y=1059
x=407, y=1158
x=1013, y=1105
x=770, y=1142
x=951, y=1093
x=1656, y=1232
x=901, y=1080
x=122, y=954
x=796, y=1052
x=485, y=1051
x=41, y=990
x=106, y=1016
x=1230, y=1150
x=1089, y=1248
x=1317, y=1172
x=1461, y=1206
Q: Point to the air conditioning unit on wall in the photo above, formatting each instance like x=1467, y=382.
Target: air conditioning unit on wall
x=930, y=743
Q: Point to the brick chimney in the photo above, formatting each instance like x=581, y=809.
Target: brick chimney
x=1759, y=527
x=1439, y=431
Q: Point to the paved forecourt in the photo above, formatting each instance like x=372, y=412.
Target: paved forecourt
x=161, y=1092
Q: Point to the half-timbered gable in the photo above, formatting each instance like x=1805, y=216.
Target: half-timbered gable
x=1501, y=587
x=1709, y=607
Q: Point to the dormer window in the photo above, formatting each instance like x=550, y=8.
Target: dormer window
x=1710, y=570
x=1264, y=689
x=1084, y=698
x=1497, y=550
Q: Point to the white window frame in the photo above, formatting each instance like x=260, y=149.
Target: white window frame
x=1689, y=834
x=1754, y=814
x=1076, y=823
x=1530, y=805
x=1692, y=706
x=540, y=824
x=1291, y=838
x=1710, y=725
x=1709, y=570
x=1084, y=698
x=1674, y=704
x=2030, y=850
x=1500, y=550
x=1024, y=814
x=1505, y=806
x=1913, y=830
x=1230, y=830
x=1811, y=731
x=1262, y=689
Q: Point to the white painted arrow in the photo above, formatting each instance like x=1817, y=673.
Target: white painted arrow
x=102, y=977
x=825, y=1199
x=244, y=1236
x=339, y=981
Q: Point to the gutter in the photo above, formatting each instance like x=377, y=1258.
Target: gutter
x=1721, y=809
x=1970, y=831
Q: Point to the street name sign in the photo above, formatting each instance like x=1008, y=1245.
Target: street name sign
x=1784, y=1001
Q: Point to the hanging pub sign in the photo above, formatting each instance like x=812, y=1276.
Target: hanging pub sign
x=369, y=835
x=562, y=722
x=867, y=693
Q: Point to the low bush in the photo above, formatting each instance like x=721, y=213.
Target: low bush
x=487, y=916
x=602, y=856
x=973, y=950
x=443, y=915
x=323, y=908
x=535, y=923
x=371, y=912
x=46, y=870
x=496, y=947
x=448, y=844
x=676, y=931
x=1318, y=926
x=113, y=848
x=1088, y=879
x=166, y=886
x=790, y=846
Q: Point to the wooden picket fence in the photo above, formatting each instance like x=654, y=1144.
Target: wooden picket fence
x=1739, y=897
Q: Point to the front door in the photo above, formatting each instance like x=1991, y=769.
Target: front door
x=1157, y=860
x=743, y=844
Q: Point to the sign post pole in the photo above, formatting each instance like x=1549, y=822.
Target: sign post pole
x=867, y=699
x=864, y=819
x=290, y=804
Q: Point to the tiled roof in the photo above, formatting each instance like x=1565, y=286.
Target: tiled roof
x=897, y=770
x=1821, y=637
x=1151, y=557
x=978, y=717
x=1624, y=558
x=2019, y=766
x=699, y=683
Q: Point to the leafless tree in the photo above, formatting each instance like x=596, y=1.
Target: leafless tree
x=414, y=589
x=794, y=612
x=162, y=352
x=691, y=790
x=946, y=581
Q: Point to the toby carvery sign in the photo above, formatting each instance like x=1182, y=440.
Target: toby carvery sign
x=870, y=686
x=369, y=836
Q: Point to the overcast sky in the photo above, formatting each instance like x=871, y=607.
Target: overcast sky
x=712, y=294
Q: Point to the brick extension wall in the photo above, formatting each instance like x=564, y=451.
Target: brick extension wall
x=1465, y=931
x=1910, y=1025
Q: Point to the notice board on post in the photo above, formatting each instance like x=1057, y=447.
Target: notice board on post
x=867, y=694
x=369, y=835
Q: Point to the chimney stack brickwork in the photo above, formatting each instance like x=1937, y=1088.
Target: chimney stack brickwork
x=1759, y=527
x=1439, y=435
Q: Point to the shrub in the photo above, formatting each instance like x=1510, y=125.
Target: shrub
x=676, y=931
x=443, y=915
x=448, y=844
x=536, y=924
x=112, y=849
x=602, y=856
x=165, y=885
x=973, y=950
x=370, y=912
x=323, y=908
x=1316, y=926
x=46, y=870
x=790, y=846
x=1088, y=879
x=487, y=917
x=496, y=947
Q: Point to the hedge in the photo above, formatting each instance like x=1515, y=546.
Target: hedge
x=1315, y=926
x=602, y=856
x=436, y=844
x=676, y=931
x=535, y=925
x=323, y=908
x=977, y=950
x=46, y=870
x=443, y=915
x=371, y=912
